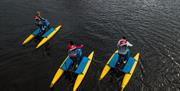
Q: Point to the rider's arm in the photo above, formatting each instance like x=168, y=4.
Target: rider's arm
x=42, y=18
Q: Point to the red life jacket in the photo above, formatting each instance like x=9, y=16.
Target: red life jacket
x=72, y=49
x=122, y=42
x=37, y=17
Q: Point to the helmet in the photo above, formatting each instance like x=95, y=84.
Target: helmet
x=38, y=13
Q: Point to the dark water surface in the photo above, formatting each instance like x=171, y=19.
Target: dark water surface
x=152, y=26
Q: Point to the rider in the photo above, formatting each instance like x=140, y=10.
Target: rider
x=42, y=23
x=75, y=52
x=123, y=49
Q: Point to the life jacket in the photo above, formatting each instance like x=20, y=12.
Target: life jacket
x=37, y=18
x=122, y=42
x=71, y=47
x=72, y=50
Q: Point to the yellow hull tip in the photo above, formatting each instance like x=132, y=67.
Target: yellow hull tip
x=74, y=89
x=51, y=86
x=122, y=89
x=23, y=43
x=38, y=46
x=137, y=55
x=59, y=26
x=92, y=53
